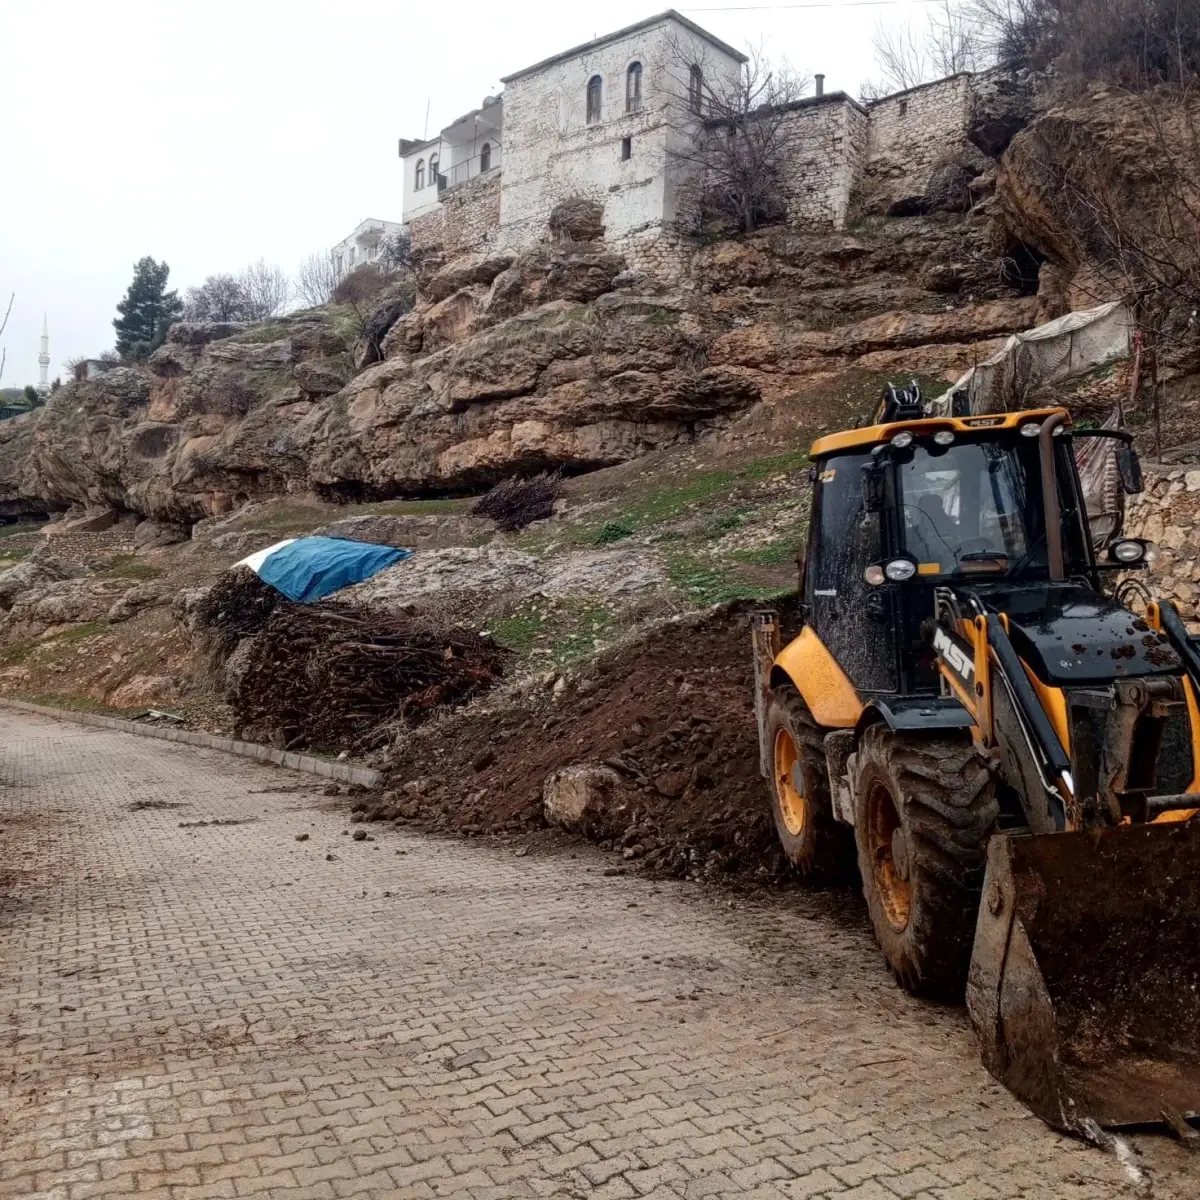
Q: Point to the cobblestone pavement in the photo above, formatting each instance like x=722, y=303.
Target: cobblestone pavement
x=195, y=1003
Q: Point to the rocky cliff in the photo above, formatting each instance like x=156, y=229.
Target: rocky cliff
x=558, y=357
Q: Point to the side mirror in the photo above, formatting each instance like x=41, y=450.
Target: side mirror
x=1129, y=467
x=874, y=496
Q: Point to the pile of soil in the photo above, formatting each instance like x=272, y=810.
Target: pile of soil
x=673, y=714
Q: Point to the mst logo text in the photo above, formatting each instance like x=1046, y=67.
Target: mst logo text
x=956, y=656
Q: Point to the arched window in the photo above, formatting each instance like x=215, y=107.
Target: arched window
x=433, y=171
x=419, y=177
x=633, y=88
x=695, y=89
x=594, y=95
x=485, y=157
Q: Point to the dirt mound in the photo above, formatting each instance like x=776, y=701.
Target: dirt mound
x=673, y=715
x=335, y=675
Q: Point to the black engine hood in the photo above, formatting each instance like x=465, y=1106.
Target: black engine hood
x=1071, y=636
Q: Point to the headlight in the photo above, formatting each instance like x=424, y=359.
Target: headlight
x=1030, y=430
x=900, y=569
x=944, y=437
x=903, y=439
x=1128, y=552
x=874, y=576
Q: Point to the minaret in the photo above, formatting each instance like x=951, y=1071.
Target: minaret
x=43, y=386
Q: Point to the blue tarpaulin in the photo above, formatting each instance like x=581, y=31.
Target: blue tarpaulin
x=306, y=569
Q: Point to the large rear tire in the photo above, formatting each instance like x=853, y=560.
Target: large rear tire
x=799, y=783
x=924, y=808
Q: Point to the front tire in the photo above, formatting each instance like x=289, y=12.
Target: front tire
x=924, y=808
x=799, y=784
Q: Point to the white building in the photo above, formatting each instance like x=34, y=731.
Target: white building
x=616, y=122
x=364, y=245
x=599, y=121
x=465, y=149
x=603, y=121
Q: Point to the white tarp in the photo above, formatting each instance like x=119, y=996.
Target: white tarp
x=1058, y=350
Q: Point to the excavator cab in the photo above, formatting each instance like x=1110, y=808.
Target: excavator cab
x=1016, y=752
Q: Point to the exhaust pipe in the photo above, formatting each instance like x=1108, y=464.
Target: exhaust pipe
x=1054, y=541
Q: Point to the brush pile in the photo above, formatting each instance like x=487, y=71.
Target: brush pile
x=336, y=676
x=238, y=605
x=515, y=503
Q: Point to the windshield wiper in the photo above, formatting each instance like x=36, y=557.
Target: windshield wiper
x=1026, y=558
x=983, y=556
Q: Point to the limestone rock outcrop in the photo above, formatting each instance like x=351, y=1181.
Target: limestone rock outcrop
x=557, y=357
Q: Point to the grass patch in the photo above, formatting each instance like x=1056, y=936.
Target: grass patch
x=302, y=518
x=613, y=531
x=77, y=633
x=773, y=554
x=666, y=503
x=709, y=583
x=413, y=508
x=554, y=637
x=591, y=625
x=16, y=653
x=14, y=555
x=15, y=530
x=271, y=331
x=662, y=316
x=129, y=566
x=519, y=631
x=72, y=703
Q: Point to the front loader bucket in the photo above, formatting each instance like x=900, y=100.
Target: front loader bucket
x=1084, y=986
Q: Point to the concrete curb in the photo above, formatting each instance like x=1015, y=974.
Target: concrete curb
x=337, y=772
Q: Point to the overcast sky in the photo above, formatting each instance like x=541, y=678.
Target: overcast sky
x=209, y=135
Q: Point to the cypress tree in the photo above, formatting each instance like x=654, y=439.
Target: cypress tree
x=147, y=310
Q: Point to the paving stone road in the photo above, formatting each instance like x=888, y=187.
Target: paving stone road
x=195, y=1003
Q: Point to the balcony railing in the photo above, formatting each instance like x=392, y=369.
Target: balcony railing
x=469, y=169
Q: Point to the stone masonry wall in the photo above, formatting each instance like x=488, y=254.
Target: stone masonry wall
x=910, y=134
x=471, y=213
x=1168, y=513
x=659, y=250
x=624, y=160
x=827, y=140
x=426, y=230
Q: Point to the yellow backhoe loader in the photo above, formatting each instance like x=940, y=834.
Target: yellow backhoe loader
x=1017, y=752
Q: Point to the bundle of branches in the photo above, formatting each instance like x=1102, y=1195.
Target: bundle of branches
x=238, y=605
x=515, y=503
x=335, y=675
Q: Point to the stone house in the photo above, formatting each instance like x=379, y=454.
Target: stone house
x=612, y=122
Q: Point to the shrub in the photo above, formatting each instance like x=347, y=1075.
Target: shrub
x=613, y=531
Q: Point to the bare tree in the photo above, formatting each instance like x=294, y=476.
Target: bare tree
x=258, y=292
x=733, y=133
x=218, y=298
x=902, y=56
x=951, y=42
x=315, y=280
x=1141, y=235
x=395, y=254
x=265, y=290
x=3, y=326
x=1133, y=43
